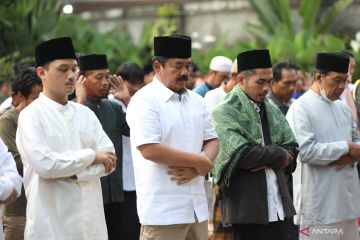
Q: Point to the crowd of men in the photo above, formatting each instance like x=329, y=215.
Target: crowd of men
x=89, y=155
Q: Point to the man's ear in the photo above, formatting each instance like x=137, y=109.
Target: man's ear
x=318, y=77
x=41, y=72
x=15, y=98
x=157, y=66
x=21, y=97
x=273, y=82
x=240, y=78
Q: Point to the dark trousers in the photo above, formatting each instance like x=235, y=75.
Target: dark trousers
x=273, y=231
x=130, y=217
x=122, y=220
x=113, y=217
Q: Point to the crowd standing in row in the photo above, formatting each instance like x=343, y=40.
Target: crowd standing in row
x=161, y=162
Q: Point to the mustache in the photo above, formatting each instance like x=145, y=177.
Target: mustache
x=70, y=82
x=183, y=78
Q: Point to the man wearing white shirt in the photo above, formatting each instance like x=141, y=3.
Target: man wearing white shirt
x=10, y=180
x=219, y=72
x=326, y=182
x=173, y=144
x=213, y=97
x=64, y=152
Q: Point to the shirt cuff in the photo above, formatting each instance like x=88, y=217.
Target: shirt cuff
x=88, y=155
x=344, y=145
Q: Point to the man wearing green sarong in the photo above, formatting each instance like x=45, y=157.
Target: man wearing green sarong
x=256, y=143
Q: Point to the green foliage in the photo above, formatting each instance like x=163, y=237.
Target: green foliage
x=276, y=30
x=26, y=21
x=274, y=16
x=164, y=25
x=115, y=44
x=332, y=13
x=302, y=49
x=308, y=11
x=7, y=66
x=23, y=24
x=204, y=56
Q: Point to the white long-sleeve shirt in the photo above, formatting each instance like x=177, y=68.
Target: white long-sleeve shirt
x=57, y=142
x=9, y=178
x=323, y=195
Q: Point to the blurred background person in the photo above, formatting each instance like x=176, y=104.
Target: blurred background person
x=133, y=77
x=148, y=73
x=220, y=68
x=347, y=95
x=213, y=97
x=281, y=92
x=194, y=76
x=12, y=101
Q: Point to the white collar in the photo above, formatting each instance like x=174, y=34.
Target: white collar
x=53, y=104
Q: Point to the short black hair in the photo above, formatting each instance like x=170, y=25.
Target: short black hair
x=14, y=86
x=131, y=72
x=195, y=68
x=148, y=68
x=161, y=60
x=248, y=73
x=25, y=80
x=277, y=68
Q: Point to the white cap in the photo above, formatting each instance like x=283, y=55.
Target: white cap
x=220, y=64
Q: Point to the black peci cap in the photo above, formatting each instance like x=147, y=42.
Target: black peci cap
x=93, y=62
x=253, y=59
x=58, y=48
x=175, y=46
x=333, y=62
